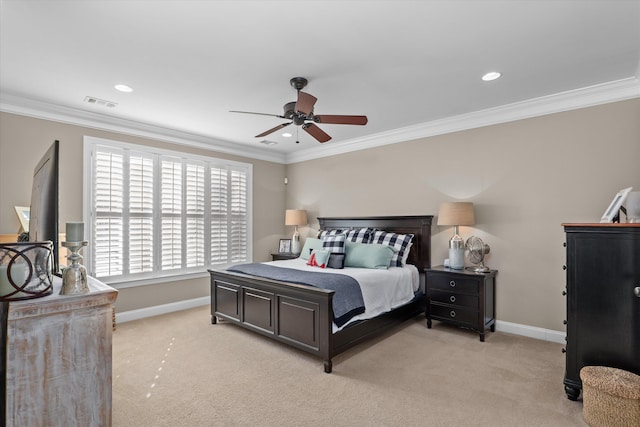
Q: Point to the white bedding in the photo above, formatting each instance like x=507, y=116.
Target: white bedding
x=382, y=290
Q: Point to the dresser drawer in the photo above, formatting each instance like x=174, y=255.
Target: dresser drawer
x=461, y=300
x=454, y=314
x=453, y=284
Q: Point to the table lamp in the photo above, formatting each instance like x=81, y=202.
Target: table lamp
x=456, y=214
x=295, y=217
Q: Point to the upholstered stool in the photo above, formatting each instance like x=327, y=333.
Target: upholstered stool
x=610, y=397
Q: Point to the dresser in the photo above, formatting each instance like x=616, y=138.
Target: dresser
x=603, y=299
x=461, y=297
x=58, y=358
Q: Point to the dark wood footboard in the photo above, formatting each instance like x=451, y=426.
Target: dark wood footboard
x=297, y=315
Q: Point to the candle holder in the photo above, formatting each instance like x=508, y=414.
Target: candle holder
x=74, y=277
x=26, y=270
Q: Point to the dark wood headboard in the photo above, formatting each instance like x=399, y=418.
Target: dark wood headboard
x=418, y=225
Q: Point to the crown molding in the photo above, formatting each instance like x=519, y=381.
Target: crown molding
x=618, y=90
x=604, y=93
x=58, y=113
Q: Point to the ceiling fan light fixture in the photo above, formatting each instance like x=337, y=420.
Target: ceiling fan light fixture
x=301, y=114
x=492, y=75
x=287, y=135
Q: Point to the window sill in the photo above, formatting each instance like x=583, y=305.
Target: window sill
x=156, y=280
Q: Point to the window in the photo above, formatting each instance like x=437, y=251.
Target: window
x=154, y=213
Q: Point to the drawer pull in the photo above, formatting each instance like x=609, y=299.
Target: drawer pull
x=452, y=313
x=452, y=298
x=636, y=291
x=452, y=283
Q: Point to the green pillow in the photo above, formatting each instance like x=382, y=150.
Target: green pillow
x=309, y=245
x=368, y=255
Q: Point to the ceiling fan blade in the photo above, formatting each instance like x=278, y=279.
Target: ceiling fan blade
x=341, y=120
x=265, y=133
x=316, y=132
x=260, y=114
x=305, y=103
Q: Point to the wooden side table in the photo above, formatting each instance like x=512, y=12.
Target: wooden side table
x=278, y=256
x=461, y=297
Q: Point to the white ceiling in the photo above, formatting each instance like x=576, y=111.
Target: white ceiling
x=412, y=67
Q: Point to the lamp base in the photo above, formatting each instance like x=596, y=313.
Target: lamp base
x=456, y=252
x=456, y=258
x=295, y=242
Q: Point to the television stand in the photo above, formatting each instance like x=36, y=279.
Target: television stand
x=58, y=358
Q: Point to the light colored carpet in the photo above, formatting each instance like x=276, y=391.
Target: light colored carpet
x=179, y=370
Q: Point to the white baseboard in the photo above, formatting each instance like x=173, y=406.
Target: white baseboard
x=531, y=331
x=501, y=325
x=156, y=310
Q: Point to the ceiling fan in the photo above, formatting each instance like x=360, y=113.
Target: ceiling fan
x=301, y=113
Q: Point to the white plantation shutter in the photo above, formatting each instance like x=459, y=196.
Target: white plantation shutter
x=171, y=194
x=195, y=215
x=155, y=213
x=108, y=208
x=238, y=219
x=219, y=209
x=141, y=254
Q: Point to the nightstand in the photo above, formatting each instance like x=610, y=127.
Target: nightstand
x=283, y=255
x=461, y=297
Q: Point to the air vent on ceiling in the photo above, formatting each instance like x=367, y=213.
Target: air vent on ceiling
x=97, y=101
x=265, y=142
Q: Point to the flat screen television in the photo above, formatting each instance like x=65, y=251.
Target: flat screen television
x=43, y=215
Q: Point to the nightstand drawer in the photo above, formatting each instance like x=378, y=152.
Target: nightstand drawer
x=453, y=283
x=453, y=314
x=461, y=300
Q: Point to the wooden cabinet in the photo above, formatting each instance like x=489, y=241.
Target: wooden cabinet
x=58, y=358
x=461, y=297
x=603, y=299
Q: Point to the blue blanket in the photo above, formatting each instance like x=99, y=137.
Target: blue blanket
x=347, y=300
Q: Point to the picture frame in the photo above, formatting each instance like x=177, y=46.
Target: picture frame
x=284, y=246
x=614, y=206
x=23, y=213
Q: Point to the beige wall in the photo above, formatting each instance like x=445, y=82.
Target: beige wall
x=525, y=179
x=23, y=140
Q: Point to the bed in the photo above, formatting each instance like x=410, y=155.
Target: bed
x=302, y=316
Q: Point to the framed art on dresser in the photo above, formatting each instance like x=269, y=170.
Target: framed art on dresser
x=616, y=203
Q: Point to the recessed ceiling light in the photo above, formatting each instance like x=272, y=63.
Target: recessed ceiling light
x=287, y=135
x=123, y=88
x=491, y=76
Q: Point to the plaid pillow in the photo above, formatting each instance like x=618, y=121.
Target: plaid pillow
x=335, y=243
x=322, y=233
x=360, y=235
x=400, y=243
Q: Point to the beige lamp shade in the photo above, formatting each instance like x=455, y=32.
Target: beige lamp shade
x=295, y=217
x=456, y=213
